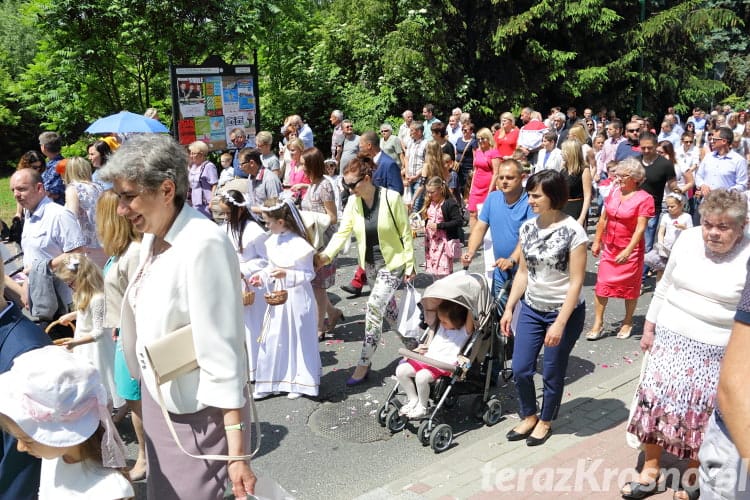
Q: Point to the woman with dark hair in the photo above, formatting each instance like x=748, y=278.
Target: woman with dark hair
x=31, y=159
x=548, y=285
x=378, y=219
x=248, y=239
x=320, y=198
x=98, y=153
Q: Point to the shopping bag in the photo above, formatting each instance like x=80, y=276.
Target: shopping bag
x=408, y=315
x=632, y=439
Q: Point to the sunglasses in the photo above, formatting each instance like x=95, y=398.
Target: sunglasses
x=352, y=185
x=632, y=129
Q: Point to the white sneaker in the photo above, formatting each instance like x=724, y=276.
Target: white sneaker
x=294, y=395
x=407, y=407
x=418, y=411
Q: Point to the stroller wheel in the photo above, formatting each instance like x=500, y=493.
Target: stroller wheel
x=441, y=438
x=424, y=431
x=383, y=414
x=395, y=422
x=494, y=412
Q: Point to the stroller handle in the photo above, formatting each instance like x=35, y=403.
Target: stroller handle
x=424, y=359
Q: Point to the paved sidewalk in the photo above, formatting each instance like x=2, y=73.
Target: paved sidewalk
x=586, y=456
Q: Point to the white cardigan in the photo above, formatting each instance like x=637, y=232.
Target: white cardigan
x=698, y=297
x=195, y=281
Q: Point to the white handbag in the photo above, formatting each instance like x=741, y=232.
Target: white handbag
x=174, y=355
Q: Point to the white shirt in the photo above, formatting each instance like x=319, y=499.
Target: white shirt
x=446, y=344
x=49, y=231
x=697, y=297
x=81, y=481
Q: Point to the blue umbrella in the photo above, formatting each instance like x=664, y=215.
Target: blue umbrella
x=126, y=122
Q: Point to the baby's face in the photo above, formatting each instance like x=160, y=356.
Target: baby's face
x=445, y=322
x=226, y=162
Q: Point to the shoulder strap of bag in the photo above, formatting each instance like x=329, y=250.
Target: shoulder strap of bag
x=224, y=458
x=388, y=204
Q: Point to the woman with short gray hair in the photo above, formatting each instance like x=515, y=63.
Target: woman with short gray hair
x=203, y=178
x=619, y=240
x=185, y=258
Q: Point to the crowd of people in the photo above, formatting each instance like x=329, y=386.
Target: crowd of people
x=127, y=247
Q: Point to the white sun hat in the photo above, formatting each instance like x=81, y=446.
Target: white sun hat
x=58, y=399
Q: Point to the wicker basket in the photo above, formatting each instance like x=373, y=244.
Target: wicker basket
x=277, y=297
x=62, y=340
x=248, y=298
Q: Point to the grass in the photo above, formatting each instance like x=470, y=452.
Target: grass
x=7, y=202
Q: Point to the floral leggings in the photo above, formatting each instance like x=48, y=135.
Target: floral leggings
x=381, y=305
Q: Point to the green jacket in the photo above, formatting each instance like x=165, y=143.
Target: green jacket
x=395, y=243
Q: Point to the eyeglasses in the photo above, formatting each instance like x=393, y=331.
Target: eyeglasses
x=352, y=185
x=622, y=176
x=384, y=131
x=632, y=129
x=687, y=142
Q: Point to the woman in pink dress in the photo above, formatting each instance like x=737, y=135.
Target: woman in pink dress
x=296, y=180
x=619, y=239
x=486, y=167
x=506, y=137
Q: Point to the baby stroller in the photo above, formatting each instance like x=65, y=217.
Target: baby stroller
x=484, y=348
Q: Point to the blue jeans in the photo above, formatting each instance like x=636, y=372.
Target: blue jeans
x=649, y=237
x=529, y=340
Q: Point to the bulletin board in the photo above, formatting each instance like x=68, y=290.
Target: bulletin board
x=211, y=100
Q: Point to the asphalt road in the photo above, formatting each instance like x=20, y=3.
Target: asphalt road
x=333, y=447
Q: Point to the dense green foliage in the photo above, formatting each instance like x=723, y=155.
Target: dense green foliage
x=64, y=63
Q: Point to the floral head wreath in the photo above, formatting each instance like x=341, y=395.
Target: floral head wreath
x=231, y=201
x=285, y=198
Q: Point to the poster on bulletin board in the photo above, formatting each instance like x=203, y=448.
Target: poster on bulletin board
x=213, y=99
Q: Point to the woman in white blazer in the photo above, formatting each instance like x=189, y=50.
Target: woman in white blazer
x=187, y=274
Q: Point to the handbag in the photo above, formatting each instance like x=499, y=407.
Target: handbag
x=408, y=320
x=631, y=439
x=173, y=355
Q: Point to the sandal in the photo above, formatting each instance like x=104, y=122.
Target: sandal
x=625, y=332
x=595, y=334
x=640, y=490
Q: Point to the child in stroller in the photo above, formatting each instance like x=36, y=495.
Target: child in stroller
x=443, y=345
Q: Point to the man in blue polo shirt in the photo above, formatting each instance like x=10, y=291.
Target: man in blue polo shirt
x=503, y=213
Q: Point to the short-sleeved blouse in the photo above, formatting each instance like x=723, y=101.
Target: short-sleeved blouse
x=547, y=255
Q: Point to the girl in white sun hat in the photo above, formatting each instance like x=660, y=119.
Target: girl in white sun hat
x=56, y=406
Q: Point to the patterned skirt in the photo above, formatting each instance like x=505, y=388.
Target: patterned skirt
x=677, y=393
